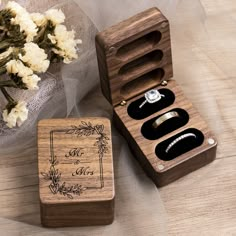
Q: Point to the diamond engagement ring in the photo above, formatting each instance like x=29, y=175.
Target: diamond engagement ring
x=152, y=96
x=164, y=118
x=184, y=136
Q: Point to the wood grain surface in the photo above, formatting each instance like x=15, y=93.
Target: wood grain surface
x=128, y=54
x=202, y=203
x=135, y=50
x=76, y=177
x=161, y=171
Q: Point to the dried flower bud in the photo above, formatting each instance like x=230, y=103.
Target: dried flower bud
x=17, y=115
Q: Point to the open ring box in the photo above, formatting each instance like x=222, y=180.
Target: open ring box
x=134, y=56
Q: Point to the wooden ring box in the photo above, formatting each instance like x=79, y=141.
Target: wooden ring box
x=134, y=56
x=76, y=177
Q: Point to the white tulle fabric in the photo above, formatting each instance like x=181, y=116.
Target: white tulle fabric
x=139, y=209
x=58, y=94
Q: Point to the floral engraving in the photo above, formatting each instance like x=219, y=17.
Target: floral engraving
x=86, y=129
x=54, y=175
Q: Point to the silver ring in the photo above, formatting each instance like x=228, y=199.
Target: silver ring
x=164, y=118
x=152, y=96
x=184, y=136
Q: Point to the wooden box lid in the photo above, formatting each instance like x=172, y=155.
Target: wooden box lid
x=134, y=55
x=76, y=178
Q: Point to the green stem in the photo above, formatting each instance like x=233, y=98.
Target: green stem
x=4, y=61
x=41, y=34
x=3, y=70
x=8, y=83
x=7, y=96
x=4, y=45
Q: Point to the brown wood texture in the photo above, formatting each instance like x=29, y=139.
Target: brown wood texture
x=202, y=203
x=134, y=56
x=133, y=51
x=163, y=172
x=76, y=178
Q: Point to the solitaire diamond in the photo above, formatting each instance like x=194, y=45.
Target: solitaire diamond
x=152, y=96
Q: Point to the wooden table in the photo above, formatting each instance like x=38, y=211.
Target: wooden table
x=202, y=203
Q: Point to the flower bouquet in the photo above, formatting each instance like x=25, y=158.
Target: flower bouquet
x=33, y=48
x=29, y=42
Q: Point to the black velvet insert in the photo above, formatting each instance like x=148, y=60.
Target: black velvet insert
x=151, y=133
x=181, y=147
x=150, y=108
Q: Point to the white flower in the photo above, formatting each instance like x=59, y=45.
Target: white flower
x=52, y=39
x=16, y=67
x=23, y=19
x=15, y=7
x=35, y=57
x=55, y=16
x=38, y=19
x=17, y=115
x=65, y=43
x=30, y=80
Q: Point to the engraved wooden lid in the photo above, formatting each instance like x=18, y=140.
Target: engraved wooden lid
x=134, y=55
x=75, y=160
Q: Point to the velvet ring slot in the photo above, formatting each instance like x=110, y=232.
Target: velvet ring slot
x=150, y=108
x=182, y=146
x=168, y=126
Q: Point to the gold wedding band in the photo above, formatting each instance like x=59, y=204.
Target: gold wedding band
x=160, y=120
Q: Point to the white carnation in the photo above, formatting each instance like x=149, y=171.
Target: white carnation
x=38, y=19
x=31, y=81
x=56, y=16
x=23, y=19
x=17, y=115
x=35, y=57
x=65, y=43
